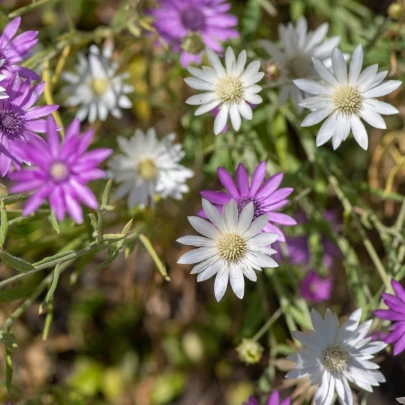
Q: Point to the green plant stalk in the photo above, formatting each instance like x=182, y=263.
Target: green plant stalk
x=267, y=325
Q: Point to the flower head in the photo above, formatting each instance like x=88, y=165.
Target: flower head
x=230, y=88
x=315, y=288
x=97, y=88
x=60, y=171
x=191, y=25
x=19, y=120
x=14, y=50
x=274, y=399
x=148, y=167
x=344, y=98
x=267, y=198
x=250, y=351
x=293, y=59
x=335, y=355
x=396, y=314
x=232, y=247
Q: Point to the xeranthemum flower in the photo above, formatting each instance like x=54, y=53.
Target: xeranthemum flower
x=314, y=288
x=293, y=58
x=19, y=120
x=188, y=24
x=3, y=93
x=334, y=355
x=230, y=88
x=60, y=172
x=266, y=198
x=231, y=247
x=346, y=98
x=274, y=399
x=148, y=167
x=97, y=88
x=15, y=50
x=395, y=313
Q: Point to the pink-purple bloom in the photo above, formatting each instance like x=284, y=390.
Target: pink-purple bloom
x=315, y=288
x=61, y=171
x=396, y=314
x=207, y=21
x=16, y=49
x=19, y=120
x=274, y=399
x=267, y=197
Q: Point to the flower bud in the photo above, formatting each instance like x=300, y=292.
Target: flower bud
x=272, y=71
x=193, y=43
x=250, y=352
x=396, y=11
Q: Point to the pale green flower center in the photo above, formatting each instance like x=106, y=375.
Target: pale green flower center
x=299, y=66
x=147, y=169
x=230, y=89
x=59, y=171
x=348, y=100
x=335, y=358
x=99, y=86
x=232, y=247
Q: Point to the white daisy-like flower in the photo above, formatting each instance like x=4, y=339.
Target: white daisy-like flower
x=149, y=167
x=3, y=93
x=346, y=98
x=335, y=355
x=293, y=58
x=232, y=246
x=96, y=87
x=229, y=88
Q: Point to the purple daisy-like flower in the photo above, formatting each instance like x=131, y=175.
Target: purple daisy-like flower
x=395, y=313
x=274, y=399
x=19, y=121
x=15, y=50
x=60, y=172
x=187, y=24
x=267, y=197
x=314, y=288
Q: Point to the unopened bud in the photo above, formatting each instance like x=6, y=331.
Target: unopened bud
x=193, y=43
x=272, y=71
x=396, y=11
x=250, y=352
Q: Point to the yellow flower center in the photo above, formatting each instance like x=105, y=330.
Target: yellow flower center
x=147, y=169
x=59, y=171
x=230, y=89
x=335, y=358
x=299, y=66
x=348, y=100
x=99, y=86
x=232, y=247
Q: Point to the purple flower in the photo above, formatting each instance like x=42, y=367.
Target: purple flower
x=274, y=399
x=395, y=313
x=60, y=172
x=14, y=51
x=297, y=247
x=19, y=120
x=314, y=288
x=204, y=23
x=267, y=198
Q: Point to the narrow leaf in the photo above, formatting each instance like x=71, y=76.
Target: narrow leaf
x=52, y=288
x=54, y=222
x=3, y=225
x=15, y=262
x=9, y=368
x=48, y=321
x=148, y=246
x=106, y=194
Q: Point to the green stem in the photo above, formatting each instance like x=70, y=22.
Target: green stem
x=267, y=325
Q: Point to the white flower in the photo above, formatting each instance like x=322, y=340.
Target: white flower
x=334, y=355
x=298, y=46
x=148, y=167
x=233, y=247
x=3, y=93
x=345, y=98
x=230, y=88
x=97, y=88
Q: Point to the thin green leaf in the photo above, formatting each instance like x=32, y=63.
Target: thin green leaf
x=3, y=225
x=54, y=222
x=16, y=293
x=52, y=288
x=48, y=321
x=148, y=246
x=9, y=369
x=106, y=194
x=15, y=262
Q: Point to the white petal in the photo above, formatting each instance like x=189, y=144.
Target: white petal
x=199, y=84
x=221, y=119
x=245, y=110
x=366, y=77
x=257, y=225
x=230, y=215
x=355, y=65
x=249, y=273
x=380, y=107
x=230, y=61
x=327, y=130
x=383, y=89
x=325, y=73
x=201, y=98
x=313, y=87
x=342, y=130
x=372, y=118
x=213, y=215
x=215, y=62
x=204, y=227
x=317, y=116
x=264, y=239
x=221, y=283
x=235, y=117
x=359, y=132
x=339, y=66
x=237, y=280
x=210, y=271
x=245, y=218
x=197, y=255
x=207, y=107
x=253, y=98
x=196, y=241
x=262, y=260
x=240, y=64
